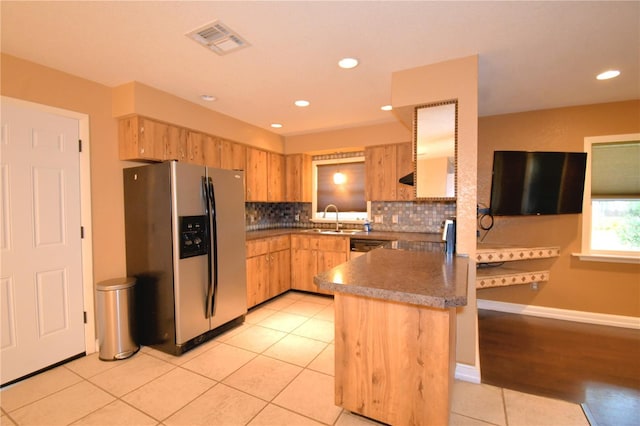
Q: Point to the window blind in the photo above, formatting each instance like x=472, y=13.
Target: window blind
x=349, y=196
x=615, y=170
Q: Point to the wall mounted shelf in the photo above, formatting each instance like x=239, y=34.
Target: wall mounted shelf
x=507, y=265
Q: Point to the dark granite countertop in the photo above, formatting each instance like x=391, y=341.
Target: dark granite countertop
x=415, y=273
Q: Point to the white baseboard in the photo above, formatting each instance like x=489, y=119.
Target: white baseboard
x=562, y=314
x=467, y=373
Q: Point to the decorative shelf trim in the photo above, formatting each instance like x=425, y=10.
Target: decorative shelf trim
x=509, y=279
x=508, y=254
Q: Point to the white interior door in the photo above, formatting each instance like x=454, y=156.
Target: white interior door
x=41, y=300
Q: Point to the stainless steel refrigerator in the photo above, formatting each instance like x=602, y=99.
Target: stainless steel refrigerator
x=185, y=243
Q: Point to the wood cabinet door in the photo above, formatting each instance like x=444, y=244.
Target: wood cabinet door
x=152, y=135
x=279, y=272
x=194, y=153
x=298, y=184
x=211, y=151
x=303, y=268
x=275, y=176
x=175, y=143
x=140, y=139
x=233, y=156
x=256, y=175
x=257, y=279
x=328, y=260
x=404, y=166
x=380, y=166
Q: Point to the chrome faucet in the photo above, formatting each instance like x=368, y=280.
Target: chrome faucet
x=325, y=215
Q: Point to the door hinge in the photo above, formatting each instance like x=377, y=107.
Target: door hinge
x=84, y=316
x=81, y=232
x=79, y=145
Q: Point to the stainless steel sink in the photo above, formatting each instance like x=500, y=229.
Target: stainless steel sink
x=333, y=231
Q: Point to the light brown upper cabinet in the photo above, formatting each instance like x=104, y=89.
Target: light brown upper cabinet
x=264, y=175
x=384, y=165
x=195, y=147
x=175, y=143
x=211, y=151
x=298, y=184
x=256, y=174
x=404, y=166
x=144, y=139
x=275, y=176
x=233, y=156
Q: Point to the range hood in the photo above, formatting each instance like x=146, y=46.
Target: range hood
x=407, y=179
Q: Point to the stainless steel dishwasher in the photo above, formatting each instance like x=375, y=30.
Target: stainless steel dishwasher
x=360, y=246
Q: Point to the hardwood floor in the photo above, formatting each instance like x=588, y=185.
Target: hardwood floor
x=595, y=365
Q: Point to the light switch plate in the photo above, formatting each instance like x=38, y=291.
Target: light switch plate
x=377, y=218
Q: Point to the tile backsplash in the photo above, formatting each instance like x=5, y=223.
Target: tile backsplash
x=412, y=216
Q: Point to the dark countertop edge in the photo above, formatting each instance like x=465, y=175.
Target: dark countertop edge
x=382, y=235
x=394, y=296
x=440, y=294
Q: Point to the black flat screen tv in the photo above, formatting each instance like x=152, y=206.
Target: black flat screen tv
x=537, y=183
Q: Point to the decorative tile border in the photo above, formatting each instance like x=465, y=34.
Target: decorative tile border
x=508, y=254
x=508, y=279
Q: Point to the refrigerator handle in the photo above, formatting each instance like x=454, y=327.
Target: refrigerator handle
x=207, y=209
x=214, y=247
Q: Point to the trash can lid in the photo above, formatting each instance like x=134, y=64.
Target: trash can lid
x=116, y=284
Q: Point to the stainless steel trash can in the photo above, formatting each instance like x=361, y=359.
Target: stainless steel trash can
x=116, y=319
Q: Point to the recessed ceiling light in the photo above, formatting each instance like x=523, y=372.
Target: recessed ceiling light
x=608, y=74
x=386, y=107
x=208, y=98
x=276, y=125
x=301, y=103
x=348, y=63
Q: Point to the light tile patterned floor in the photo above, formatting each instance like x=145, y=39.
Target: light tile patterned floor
x=275, y=369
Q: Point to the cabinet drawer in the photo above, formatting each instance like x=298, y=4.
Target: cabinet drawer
x=257, y=247
x=333, y=244
x=279, y=243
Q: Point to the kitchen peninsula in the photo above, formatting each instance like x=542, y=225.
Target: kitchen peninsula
x=395, y=314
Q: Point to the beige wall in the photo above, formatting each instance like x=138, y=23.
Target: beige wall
x=137, y=98
x=35, y=83
x=455, y=79
x=344, y=139
x=609, y=288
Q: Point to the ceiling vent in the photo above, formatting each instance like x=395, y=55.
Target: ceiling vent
x=218, y=37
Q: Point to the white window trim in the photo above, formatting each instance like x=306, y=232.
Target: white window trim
x=587, y=254
x=331, y=217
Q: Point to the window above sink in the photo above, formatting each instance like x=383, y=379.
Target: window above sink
x=341, y=182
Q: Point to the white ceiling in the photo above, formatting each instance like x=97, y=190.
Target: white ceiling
x=532, y=55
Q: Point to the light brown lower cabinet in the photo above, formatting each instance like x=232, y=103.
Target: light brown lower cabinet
x=268, y=268
x=312, y=254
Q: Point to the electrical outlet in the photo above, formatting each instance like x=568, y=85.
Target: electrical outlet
x=297, y=217
x=534, y=286
x=377, y=218
x=394, y=218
